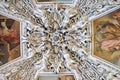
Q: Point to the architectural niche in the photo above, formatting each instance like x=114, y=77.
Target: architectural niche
x=57, y=38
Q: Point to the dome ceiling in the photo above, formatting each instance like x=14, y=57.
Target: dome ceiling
x=61, y=38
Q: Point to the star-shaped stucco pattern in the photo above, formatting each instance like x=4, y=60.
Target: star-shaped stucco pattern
x=57, y=39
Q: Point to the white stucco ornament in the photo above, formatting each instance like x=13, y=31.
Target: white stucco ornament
x=57, y=38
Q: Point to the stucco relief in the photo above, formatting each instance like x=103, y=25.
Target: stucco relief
x=58, y=38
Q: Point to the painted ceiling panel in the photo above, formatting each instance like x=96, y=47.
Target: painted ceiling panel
x=62, y=39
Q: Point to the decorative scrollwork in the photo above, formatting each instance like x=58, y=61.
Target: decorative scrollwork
x=57, y=38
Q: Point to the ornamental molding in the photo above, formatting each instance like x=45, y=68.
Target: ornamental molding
x=57, y=39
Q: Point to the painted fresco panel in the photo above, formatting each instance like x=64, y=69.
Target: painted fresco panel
x=107, y=37
x=45, y=0
x=53, y=0
x=64, y=77
x=9, y=39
